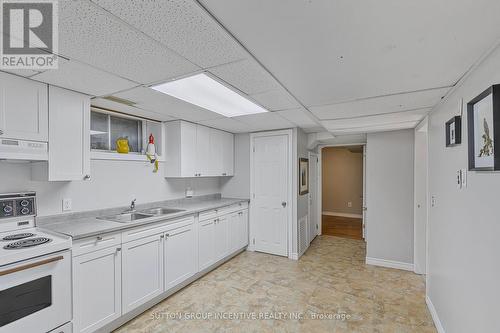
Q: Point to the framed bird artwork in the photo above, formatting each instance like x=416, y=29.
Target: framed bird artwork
x=483, y=118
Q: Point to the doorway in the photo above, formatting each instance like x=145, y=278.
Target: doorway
x=342, y=191
x=270, y=185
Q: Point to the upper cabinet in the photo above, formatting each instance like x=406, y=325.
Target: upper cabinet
x=69, y=140
x=23, y=109
x=197, y=151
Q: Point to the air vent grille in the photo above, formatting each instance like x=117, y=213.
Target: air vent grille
x=120, y=100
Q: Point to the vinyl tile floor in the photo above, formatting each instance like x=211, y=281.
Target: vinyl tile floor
x=330, y=289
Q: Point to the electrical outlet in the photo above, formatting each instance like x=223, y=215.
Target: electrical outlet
x=66, y=204
x=349, y=204
x=189, y=192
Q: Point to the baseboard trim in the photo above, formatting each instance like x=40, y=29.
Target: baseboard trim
x=356, y=216
x=435, y=317
x=389, y=263
x=294, y=256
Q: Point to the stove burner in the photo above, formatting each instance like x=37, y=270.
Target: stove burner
x=27, y=243
x=18, y=236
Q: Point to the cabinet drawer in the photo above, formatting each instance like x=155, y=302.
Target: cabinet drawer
x=214, y=213
x=155, y=228
x=91, y=244
x=208, y=215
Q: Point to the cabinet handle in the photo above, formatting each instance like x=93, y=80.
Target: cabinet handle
x=1, y=132
x=99, y=238
x=167, y=235
x=162, y=236
x=118, y=249
x=86, y=177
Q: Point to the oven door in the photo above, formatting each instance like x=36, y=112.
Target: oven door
x=35, y=294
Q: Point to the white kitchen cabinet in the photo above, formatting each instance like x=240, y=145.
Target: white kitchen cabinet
x=227, y=154
x=197, y=151
x=69, y=138
x=96, y=289
x=238, y=230
x=142, y=271
x=180, y=255
x=222, y=237
x=23, y=108
x=206, y=244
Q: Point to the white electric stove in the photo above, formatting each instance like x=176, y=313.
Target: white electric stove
x=35, y=270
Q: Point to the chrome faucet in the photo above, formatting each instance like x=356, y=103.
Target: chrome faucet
x=132, y=206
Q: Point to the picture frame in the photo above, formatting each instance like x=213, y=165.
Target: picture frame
x=303, y=176
x=483, y=130
x=454, y=131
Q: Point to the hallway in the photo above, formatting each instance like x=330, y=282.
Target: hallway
x=331, y=279
x=346, y=227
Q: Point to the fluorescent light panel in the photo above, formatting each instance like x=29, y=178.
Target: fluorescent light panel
x=205, y=92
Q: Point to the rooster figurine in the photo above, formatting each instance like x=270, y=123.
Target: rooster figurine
x=151, y=152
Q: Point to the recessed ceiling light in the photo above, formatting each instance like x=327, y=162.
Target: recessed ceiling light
x=205, y=92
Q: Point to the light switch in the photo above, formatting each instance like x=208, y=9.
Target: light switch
x=349, y=204
x=459, y=179
x=433, y=201
x=464, y=178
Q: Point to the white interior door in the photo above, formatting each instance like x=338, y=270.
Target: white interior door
x=420, y=219
x=313, y=196
x=270, y=194
x=364, y=208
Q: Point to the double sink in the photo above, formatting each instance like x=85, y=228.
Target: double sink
x=139, y=215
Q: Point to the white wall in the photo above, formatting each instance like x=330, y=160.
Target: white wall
x=238, y=186
x=464, y=226
x=389, y=226
x=113, y=183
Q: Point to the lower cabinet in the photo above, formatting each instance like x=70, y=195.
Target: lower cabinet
x=222, y=237
x=238, y=230
x=206, y=244
x=142, y=271
x=180, y=255
x=96, y=289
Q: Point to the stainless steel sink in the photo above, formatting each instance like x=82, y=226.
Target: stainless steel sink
x=126, y=217
x=161, y=211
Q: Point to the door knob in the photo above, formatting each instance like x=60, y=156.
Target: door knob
x=365, y=208
x=283, y=203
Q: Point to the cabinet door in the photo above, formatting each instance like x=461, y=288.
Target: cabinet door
x=23, y=108
x=203, y=158
x=234, y=231
x=96, y=289
x=142, y=271
x=180, y=255
x=206, y=244
x=222, y=237
x=188, y=149
x=243, y=228
x=69, y=136
x=227, y=154
x=216, y=152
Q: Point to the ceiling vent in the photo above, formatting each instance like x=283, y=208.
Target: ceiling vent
x=120, y=100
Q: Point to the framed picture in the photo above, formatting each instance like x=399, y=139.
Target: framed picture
x=454, y=131
x=483, y=122
x=303, y=176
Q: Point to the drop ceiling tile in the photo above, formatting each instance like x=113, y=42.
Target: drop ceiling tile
x=361, y=122
x=377, y=128
x=149, y=99
x=93, y=36
x=313, y=129
x=264, y=121
x=275, y=100
x=380, y=105
x=132, y=110
x=248, y=76
x=83, y=78
x=21, y=72
x=183, y=26
x=299, y=117
x=227, y=124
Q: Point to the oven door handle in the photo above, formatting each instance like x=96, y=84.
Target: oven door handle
x=32, y=265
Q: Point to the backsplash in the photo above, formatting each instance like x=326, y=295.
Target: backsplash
x=113, y=184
